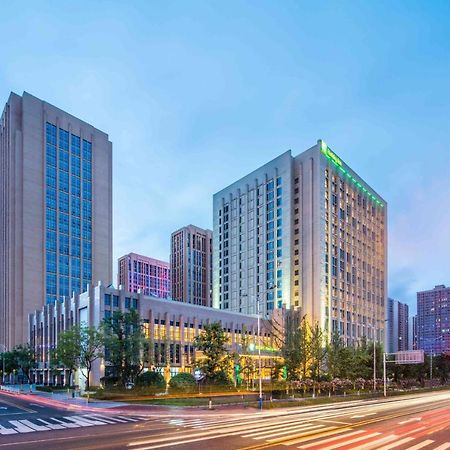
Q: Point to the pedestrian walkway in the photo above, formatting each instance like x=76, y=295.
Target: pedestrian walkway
x=35, y=424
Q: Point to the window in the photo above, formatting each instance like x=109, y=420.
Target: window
x=75, y=145
x=64, y=264
x=116, y=301
x=64, y=181
x=51, y=262
x=63, y=139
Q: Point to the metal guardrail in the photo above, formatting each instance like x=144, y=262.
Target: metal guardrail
x=18, y=388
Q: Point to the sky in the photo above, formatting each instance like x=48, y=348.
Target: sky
x=195, y=95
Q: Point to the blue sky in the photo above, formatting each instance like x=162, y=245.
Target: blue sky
x=196, y=94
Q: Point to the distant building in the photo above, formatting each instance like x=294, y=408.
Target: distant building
x=151, y=276
x=169, y=326
x=191, y=265
x=433, y=320
x=397, y=326
x=303, y=231
x=55, y=209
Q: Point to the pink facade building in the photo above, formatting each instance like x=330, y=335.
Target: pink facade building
x=151, y=276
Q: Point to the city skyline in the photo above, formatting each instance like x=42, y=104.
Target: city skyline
x=200, y=101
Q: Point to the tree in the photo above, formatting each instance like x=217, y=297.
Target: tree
x=68, y=351
x=212, y=342
x=318, y=351
x=91, y=348
x=22, y=359
x=125, y=347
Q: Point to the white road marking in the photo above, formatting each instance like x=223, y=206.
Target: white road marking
x=35, y=404
x=396, y=444
x=66, y=424
x=274, y=428
x=293, y=430
x=415, y=419
x=363, y=415
x=351, y=441
x=376, y=443
x=33, y=426
x=323, y=434
x=421, y=444
x=4, y=430
x=53, y=426
x=20, y=427
x=443, y=446
x=324, y=441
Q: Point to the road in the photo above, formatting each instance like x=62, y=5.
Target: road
x=411, y=422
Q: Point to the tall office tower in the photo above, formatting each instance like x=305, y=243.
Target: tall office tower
x=397, y=326
x=191, y=265
x=308, y=232
x=56, y=209
x=433, y=320
x=141, y=273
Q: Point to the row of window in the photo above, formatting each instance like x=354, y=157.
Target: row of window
x=63, y=141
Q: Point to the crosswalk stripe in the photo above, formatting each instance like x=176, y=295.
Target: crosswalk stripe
x=324, y=441
x=107, y=418
x=351, y=441
x=444, y=446
x=4, y=430
x=258, y=433
x=79, y=421
x=53, y=426
x=34, y=426
x=88, y=419
x=66, y=424
x=303, y=437
x=294, y=430
x=376, y=443
x=128, y=419
x=20, y=427
x=421, y=444
x=396, y=444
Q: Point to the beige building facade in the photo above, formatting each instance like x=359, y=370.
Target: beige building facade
x=304, y=232
x=56, y=203
x=191, y=265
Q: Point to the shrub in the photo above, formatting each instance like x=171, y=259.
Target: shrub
x=220, y=379
x=109, y=381
x=183, y=382
x=151, y=378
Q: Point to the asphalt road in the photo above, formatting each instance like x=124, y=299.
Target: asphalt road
x=412, y=422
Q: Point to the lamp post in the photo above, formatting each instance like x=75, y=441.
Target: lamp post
x=258, y=304
x=3, y=361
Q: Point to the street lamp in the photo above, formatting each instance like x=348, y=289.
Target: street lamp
x=3, y=359
x=258, y=311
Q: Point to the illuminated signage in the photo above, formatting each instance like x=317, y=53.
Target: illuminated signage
x=332, y=157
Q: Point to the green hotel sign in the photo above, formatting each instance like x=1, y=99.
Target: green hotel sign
x=336, y=161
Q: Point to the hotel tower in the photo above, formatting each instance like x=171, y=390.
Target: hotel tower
x=306, y=232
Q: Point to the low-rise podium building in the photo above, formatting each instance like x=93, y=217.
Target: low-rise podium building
x=170, y=326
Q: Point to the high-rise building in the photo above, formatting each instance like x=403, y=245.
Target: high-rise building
x=191, y=265
x=433, y=320
x=56, y=210
x=303, y=231
x=141, y=273
x=397, y=326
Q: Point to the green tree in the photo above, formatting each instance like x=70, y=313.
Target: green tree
x=22, y=359
x=125, y=347
x=212, y=342
x=318, y=351
x=91, y=349
x=68, y=351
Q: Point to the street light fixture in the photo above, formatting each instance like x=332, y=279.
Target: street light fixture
x=3, y=359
